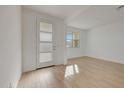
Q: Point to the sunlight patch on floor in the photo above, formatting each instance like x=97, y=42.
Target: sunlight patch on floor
x=71, y=70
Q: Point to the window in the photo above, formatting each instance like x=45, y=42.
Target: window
x=73, y=39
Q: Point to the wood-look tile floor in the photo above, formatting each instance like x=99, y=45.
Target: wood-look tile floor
x=84, y=72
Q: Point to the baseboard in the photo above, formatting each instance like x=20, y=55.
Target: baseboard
x=28, y=70
x=17, y=81
x=104, y=59
x=14, y=83
x=75, y=57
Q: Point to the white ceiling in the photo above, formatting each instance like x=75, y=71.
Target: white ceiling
x=82, y=16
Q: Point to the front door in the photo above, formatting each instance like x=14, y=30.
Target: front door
x=45, y=41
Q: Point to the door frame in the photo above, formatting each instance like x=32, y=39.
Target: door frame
x=38, y=65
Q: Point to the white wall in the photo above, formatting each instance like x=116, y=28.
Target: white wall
x=10, y=45
x=107, y=42
x=77, y=52
x=29, y=38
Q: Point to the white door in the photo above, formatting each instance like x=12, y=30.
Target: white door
x=45, y=41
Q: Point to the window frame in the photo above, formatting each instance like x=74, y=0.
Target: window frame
x=72, y=40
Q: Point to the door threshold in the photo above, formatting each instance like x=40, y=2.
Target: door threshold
x=45, y=67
